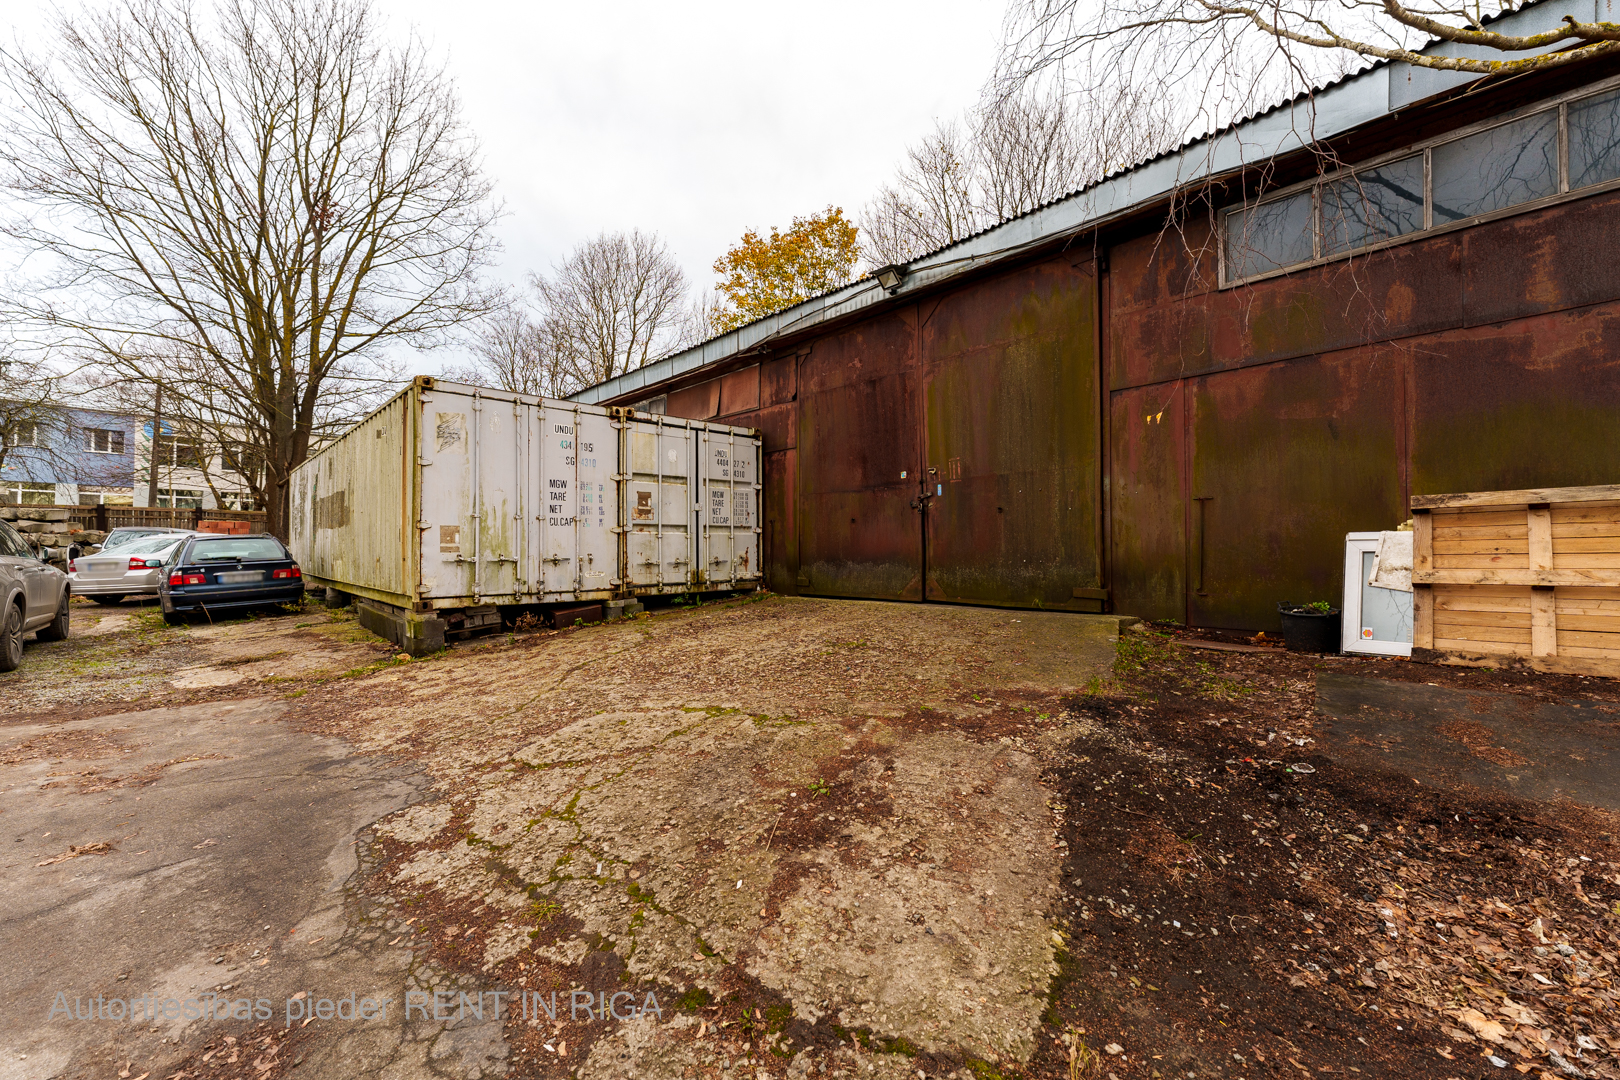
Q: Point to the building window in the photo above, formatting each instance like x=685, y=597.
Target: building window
x=1372, y=205
x=242, y=458
x=1498, y=168
x=15, y=493
x=237, y=500
x=105, y=496
x=177, y=452
x=26, y=433
x=1273, y=234
x=1491, y=169
x=179, y=498
x=103, y=441
x=1594, y=140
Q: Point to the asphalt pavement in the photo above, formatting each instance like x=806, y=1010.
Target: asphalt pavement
x=166, y=872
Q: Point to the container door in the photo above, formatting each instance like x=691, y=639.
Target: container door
x=658, y=505
x=728, y=507
x=449, y=547
x=597, y=508
x=473, y=454
x=559, y=464
x=580, y=512
x=498, y=453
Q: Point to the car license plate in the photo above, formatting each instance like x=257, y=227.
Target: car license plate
x=236, y=577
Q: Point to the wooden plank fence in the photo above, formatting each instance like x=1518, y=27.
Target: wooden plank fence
x=1519, y=578
x=108, y=518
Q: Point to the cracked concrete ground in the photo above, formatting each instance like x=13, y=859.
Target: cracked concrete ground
x=825, y=812
x=819, y=800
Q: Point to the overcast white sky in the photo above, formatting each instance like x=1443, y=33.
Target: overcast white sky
x=697, y=120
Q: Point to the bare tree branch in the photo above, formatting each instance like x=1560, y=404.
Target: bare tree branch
x=1227, y=58
x=1017, y=152
x=246, y=205
x=513, y=351
x=613, y=305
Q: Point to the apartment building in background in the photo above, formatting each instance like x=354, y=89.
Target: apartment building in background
x=62, y=456
x=66, y=456
x=192, y=471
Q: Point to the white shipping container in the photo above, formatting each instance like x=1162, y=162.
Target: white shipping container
x=454, y=497
x=691, y=505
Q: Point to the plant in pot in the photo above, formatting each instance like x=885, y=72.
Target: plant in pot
x=1312, y=627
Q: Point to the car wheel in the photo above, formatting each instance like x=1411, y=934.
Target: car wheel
x=174, y=618
x=109, y=601
x=11, y=635
x=57, y=628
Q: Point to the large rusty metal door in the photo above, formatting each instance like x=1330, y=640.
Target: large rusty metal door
x=1011, y=403
x=858, y=454
x=1286, y=459
x=1147, y=462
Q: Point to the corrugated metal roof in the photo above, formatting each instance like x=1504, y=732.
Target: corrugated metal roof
x=1324, y=112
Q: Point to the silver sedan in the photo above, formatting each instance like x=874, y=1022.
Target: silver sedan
x=131, y=570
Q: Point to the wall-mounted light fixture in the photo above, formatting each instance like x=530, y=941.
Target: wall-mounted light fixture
x=890, y=276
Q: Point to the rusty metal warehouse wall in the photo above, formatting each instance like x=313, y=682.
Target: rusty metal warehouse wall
x=1251, y=428
x=948, y=448
x=1245, y=430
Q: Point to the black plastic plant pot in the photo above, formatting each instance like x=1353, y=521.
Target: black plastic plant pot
x=1304, y=630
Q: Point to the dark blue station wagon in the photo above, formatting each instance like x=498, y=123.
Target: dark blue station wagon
x=210, y=573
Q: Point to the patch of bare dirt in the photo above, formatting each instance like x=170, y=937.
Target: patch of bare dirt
x=1240, y=905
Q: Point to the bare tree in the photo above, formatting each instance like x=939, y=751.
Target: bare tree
x=245, y=205
x=613, y=305
x=1017, y=151
x=701, y=321
x=932, y=201
x=514, y=351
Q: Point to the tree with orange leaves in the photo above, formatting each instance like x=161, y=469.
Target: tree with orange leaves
x=761, y=275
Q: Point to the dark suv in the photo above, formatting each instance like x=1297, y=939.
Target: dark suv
x=207, y=573
x=33, y=596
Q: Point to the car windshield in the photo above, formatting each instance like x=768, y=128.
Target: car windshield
x=118, y=538
x=158, y=544
x=246, y=548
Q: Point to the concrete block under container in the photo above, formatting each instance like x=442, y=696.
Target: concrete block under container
x=416, y=633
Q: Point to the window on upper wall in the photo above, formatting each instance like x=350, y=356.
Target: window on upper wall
x=26, y=433
x=1557, y=149
x=1594, y=140
x=178, y=452
x=1372, y=205
x=103, y=441
x=1497, y=168
x=1272, y=235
